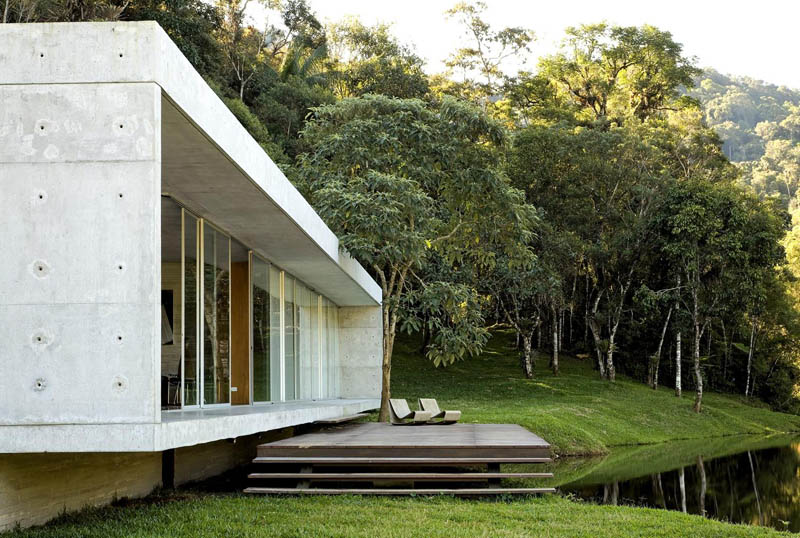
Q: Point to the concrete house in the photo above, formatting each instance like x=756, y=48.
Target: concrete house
x=166, y=295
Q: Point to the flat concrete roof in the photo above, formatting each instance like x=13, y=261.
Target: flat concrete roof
x=210, y=163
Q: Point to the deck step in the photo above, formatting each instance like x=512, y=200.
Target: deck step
x=343, y=460
x=413, y=491
x=345, y=477
x=339, y=420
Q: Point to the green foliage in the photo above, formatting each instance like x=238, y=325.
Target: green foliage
x=370, y=60
x=191, y=24
x=487, y=52
x=617, y=72
x=402, y=181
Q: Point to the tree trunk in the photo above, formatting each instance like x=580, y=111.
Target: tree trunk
x=747, y=389
x=678, y=345
x=586, y=315
x=527, y=356
x=682, y=485
x=701, y=468
x=386, y=368
x=595, y=330
x=556, y=341
x=539, y=336
x=656, y=358
x=725, y=350
x=658, y=490
x=698, y=375
x=755, y=488
x=678, y=365
x=612, y=332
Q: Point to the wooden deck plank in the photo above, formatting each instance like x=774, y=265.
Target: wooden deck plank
x=378, y=434
x=413, y=491
x=373, y=439
x=393, y=460
x=420, y=477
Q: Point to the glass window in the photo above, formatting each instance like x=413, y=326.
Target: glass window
x=304, y=352
x=289, y=347
x=216, y=316
x=190, y=349
x=313, y=314
x=275, y=331
x=261, y=330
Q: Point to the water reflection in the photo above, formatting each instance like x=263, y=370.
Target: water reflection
x=758, y=486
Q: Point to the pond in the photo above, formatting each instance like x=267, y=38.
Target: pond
x=752, y=480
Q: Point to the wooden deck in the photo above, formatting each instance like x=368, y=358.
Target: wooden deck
x=350, y=458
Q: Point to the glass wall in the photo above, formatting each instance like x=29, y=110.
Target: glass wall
x=260, y=300
x=290, y=337
x=275, y=331
x=191, y=362
x=304, y=313
x=293, y=330
x=216, y=316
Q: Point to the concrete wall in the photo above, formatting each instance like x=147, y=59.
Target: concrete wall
x=35, y=488
x=360, y=351
x=79, y=214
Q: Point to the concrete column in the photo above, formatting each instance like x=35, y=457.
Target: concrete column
x=360, y=351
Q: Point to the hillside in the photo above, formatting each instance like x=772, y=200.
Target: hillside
x=760, y=125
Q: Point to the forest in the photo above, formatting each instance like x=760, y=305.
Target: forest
x=617, y=202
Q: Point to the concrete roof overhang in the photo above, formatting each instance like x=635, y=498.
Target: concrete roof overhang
x=210, y=163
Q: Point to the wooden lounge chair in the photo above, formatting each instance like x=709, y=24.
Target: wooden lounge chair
x=401, y=414
x=437, y=415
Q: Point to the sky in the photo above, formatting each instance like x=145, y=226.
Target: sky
x=758, y=39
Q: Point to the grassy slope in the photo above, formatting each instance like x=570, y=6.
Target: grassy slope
x=237, y=515
x=577, y=412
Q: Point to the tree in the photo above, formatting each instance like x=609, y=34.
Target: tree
x=597, y=188
x=62, y=10
x=402, y=182
x=620, y=71
x=718, y=239
x=243, y=44
x=524, y=290
x=488, y=52
x=369, y=59
x=191, y=24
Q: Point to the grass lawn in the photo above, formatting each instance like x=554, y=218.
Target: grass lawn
x=237, y=515
x=577, y=412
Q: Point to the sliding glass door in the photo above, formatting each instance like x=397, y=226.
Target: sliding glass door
x=216, y=316
x=191, y=350
x=260, y=327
